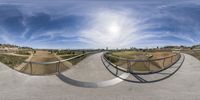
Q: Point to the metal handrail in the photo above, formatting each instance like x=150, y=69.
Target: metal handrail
x=179, y=61
x=55, y=62
x=142, y=72
x=133, y=60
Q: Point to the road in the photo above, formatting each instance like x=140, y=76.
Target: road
x=182, y=85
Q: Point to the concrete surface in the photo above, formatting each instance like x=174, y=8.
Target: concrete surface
x=184, y=85
x=150, y=78
x=90, y=69
x=91, y=73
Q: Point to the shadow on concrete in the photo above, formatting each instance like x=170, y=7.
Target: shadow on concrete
x=144, y=78
x=100, y=84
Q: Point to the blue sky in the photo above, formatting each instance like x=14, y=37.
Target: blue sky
x=99, y=23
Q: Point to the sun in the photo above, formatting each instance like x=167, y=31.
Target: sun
x=109, y=28
x=114, y=31
x=113, y=28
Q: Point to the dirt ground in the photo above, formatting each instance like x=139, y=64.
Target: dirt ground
x=145, y=66
x=43, y=56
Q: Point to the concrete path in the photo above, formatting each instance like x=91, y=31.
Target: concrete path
x=184, y=85
x=90, y=69
x=14, y=54
x=91, y=73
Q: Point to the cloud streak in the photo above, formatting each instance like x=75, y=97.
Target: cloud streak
x=110, y=28
x=98, y=24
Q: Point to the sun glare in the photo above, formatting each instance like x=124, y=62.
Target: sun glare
x=110, y=28
x=114, y=29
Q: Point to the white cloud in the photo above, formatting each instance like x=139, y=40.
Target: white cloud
x=110, y=28
x=115, y=25
x=5, y=37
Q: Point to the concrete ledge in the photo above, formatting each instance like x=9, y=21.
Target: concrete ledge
x=106, y=83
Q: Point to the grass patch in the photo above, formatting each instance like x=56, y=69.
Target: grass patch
x=76, y=60
x=127, y=54
x=139, y=55
x=68, y=56
x=156, y=55
x=67, y=52
x=21, y=52
x=195, y=53
x=11, y=61
x=112, y=59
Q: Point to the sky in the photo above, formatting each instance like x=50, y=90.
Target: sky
x=60, y=24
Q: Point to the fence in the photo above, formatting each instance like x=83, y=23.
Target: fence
x=142, y=66
x=40, y=68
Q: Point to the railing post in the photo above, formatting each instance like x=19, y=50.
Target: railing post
x=116, y=71
x=128, y=66
x=172, y=58
x=58, y=67
x=163, y=63
x=31, y=68
x=149, y=65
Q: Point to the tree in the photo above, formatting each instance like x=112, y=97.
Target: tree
x=83, y=52
x=34, y=51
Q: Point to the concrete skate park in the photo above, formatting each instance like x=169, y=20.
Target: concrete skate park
x=96, y=78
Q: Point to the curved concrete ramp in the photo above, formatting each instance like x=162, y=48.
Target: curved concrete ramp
x=184, y=85
x=107, y=83
x=91, y=73
x=148, y=78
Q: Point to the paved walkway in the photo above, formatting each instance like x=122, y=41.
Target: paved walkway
x=91, y=73
x=90, y=69
x=183, y=85
x=14, y=54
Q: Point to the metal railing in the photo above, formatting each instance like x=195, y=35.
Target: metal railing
x=56, y=66
x=147, y=66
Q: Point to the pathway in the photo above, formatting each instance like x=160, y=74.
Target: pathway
x=183, y=85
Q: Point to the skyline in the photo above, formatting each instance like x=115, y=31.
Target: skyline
x=99, y=24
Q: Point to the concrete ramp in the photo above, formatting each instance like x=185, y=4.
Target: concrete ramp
x=183, y=85
x=107, y=83
x=8, y=75
x=91, y=73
